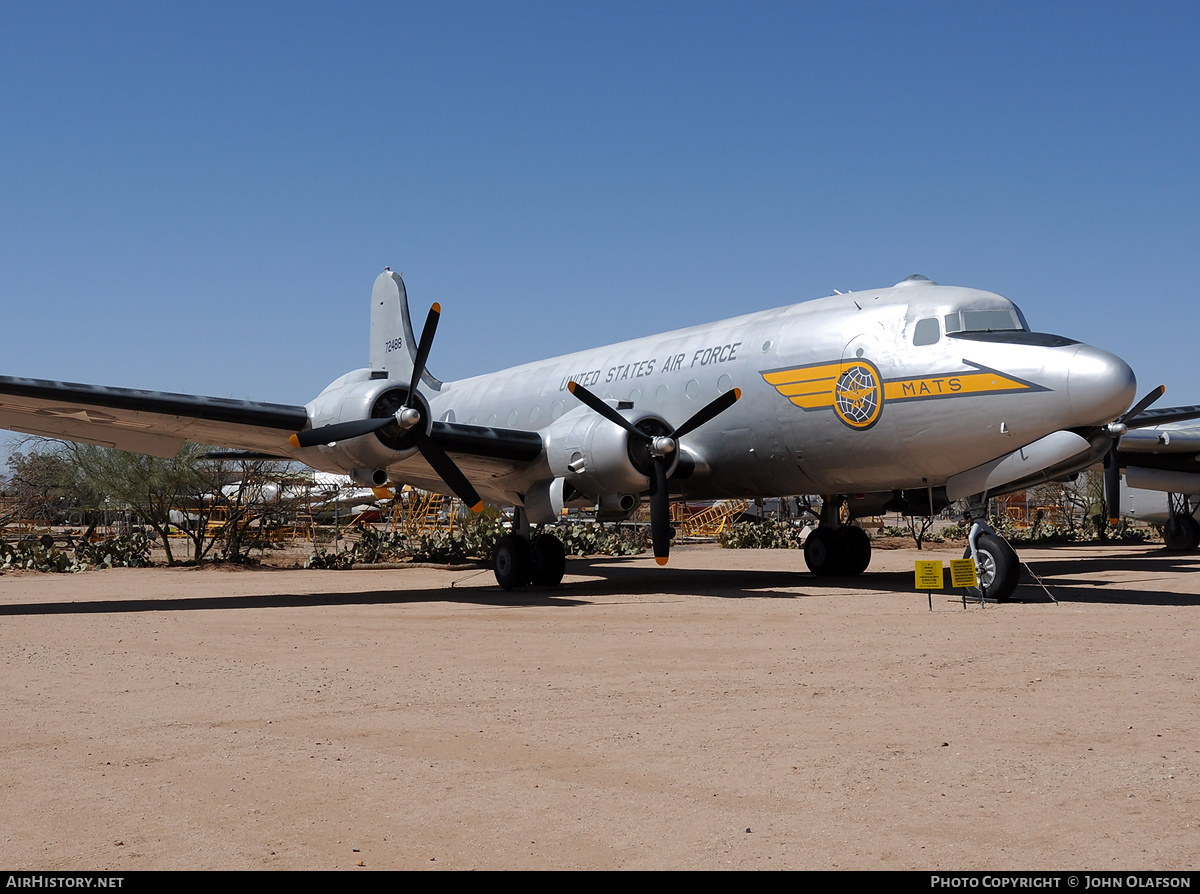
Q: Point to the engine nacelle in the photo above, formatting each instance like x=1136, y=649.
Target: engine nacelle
x=369, y=477
x=357, y=396
x=597, y=457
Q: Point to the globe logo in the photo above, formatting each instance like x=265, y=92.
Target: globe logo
x=857, y=396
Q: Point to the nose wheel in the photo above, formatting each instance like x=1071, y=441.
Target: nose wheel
x=998, y=568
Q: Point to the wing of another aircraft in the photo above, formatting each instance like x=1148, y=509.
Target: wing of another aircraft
x=153, y=422
x=1158, y=440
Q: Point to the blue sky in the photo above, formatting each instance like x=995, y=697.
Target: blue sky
x=197, y=197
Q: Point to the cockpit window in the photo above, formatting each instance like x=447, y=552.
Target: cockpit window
x=927, y=332
x=999, y=320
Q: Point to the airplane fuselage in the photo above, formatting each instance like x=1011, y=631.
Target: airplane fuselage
x=872, y=391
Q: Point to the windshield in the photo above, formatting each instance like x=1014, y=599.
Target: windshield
x=1003, y=319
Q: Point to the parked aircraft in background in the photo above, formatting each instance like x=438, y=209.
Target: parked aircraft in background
x=910, y=397
x=1161, y=481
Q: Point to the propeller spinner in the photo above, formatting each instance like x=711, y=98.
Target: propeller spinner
x=660, y=448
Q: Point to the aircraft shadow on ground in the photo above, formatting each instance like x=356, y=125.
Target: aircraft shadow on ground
x=613, y=577
x=1065, y=577
x=1075, y=576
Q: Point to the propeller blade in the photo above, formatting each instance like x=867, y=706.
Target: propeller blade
x=341, y=431
x=660, y=497
x=447, y=470
x=604, y=409
x=423, y=346
x=1112, y=464
x=704, y=414
x=1143, y=403
x=1112, y=486
x=660, y=512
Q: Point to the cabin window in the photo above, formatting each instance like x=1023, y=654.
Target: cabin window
x=927, y=332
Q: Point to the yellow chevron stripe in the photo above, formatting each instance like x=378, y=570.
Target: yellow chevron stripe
x=948, y=386
x=812, y=387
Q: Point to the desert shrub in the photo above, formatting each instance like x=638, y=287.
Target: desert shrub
x=122, y=551
x=595, y=539
x=479, y=533
x=760, y=535
x=955, y=532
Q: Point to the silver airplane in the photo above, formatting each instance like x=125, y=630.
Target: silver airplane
x=1161, y=481
x=906, y=398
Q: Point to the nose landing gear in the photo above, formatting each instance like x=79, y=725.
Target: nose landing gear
x=996, y=562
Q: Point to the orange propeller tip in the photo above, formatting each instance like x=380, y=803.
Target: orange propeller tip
x=661, y=560
x=478, y=507
x=571, y=387
x=294, y=440
x=737, y=393
x=437, y=308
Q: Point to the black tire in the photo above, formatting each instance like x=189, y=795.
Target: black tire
x=512, y=561
x=999, y=568
x=1194, y=533
x=1181, y=534
x=825, y=553
x=548, y=561
x=858, y=549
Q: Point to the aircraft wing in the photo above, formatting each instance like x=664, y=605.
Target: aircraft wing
x=1164, y=416
x=1170, y=446
x=153, y=422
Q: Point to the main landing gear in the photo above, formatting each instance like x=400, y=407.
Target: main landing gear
x=521, y=559
x=836, y=549
x=1181, y=534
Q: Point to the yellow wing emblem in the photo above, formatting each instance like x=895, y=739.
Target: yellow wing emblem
x=856, y=392
x=853, y=388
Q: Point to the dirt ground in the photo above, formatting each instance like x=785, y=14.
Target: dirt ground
x=729, y=711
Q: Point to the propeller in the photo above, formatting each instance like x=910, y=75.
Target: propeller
x=407, y=418
x=660, y=448
x=1112, y=465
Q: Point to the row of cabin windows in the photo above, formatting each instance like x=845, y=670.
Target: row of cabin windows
x=928, y=330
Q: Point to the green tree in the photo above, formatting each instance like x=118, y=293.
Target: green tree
x=210, y=500
x=38, y=486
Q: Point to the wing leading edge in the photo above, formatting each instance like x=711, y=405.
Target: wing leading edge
x=153, y=422
x=158, y=422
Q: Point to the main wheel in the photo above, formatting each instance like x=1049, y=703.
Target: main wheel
x=999, y=568
x=858, y=549
x=548, y=561
x=512, y=561
x=825, y=552
x=1181, y=534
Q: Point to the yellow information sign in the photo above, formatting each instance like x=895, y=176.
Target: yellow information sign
x=962, y=573
x=929, y=574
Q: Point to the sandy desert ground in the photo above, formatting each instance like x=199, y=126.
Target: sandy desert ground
x=729, y=711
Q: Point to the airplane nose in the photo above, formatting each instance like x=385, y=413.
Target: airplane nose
x=1101, y=386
